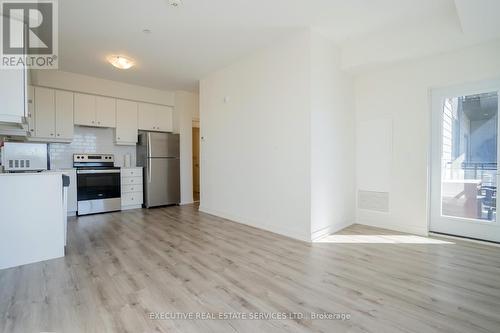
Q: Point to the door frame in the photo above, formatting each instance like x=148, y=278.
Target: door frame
x=437, y=96
x=195, y=123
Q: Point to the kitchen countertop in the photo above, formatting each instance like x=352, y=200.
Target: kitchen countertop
x=19, y=174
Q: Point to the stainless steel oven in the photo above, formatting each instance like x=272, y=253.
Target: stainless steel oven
x=98, y=183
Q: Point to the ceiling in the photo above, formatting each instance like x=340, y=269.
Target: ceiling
x=188, y=42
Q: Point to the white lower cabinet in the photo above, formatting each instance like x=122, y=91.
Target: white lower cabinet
x=132, y=191
x=131, y=200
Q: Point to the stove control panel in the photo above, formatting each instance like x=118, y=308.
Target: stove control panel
x=93, y=158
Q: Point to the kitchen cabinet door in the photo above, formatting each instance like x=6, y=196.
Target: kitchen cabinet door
x=30, y=101
x=164, y=116
x=85, y=109
x=105, y=111
x=45, y=113
x=64, y=114
x=126, y=122
x=147, y=117
x=12, y=99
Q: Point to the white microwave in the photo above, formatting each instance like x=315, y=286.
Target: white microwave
x=21, y=156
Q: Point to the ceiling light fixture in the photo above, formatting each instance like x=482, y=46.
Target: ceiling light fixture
x=121, y=62
x=146, y=31
x=175, y=3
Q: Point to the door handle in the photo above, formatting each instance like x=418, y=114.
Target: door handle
x=149, y=171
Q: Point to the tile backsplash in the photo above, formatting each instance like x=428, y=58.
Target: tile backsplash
x=89, y=140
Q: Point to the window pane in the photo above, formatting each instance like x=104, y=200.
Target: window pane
x=469, y=156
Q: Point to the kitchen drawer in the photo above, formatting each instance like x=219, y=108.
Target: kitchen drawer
x=131, y=188
x=132, y=198
x=131, y=180
x=131, y=172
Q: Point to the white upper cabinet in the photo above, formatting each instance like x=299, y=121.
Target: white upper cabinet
x=105, y=111
x=96, y=111
x=165, y=119
x=51, y=114
x=126, y=122
x=84, y=109
x=12, y=99
x=152, y=117
x=146, y=117
x=45, y=113
x=64, y=115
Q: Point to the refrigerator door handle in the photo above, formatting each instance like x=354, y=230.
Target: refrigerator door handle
x=149, y=164
x=149, y=144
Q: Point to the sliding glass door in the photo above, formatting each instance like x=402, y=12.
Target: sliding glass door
x=464, y=160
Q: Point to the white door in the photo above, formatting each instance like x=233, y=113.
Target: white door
x=64, y=115
x=44, y=113
x=464, y=160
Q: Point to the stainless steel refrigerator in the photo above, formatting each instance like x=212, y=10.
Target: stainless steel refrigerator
x=158, y=154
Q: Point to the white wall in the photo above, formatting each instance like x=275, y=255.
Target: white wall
x=186, y=109
x=93, y=85
x=278, y=149
x=254, y=117
x=332, y=141
x=400, y=93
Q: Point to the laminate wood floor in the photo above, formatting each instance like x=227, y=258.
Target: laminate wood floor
x=121, y=267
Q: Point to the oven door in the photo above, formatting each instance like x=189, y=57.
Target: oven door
x=98, y=184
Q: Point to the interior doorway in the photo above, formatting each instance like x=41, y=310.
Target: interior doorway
x=465, y=153
x=196, y=163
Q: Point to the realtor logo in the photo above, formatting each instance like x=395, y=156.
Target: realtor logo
x=29, y=34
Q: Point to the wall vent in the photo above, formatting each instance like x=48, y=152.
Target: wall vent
x=375, y=201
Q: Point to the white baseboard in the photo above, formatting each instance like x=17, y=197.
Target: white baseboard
x=186, y=203
x=331, y=229
x=256, y=224
x=401, y=228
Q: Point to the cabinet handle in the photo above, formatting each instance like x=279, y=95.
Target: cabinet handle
x=99, y=122
x=58, y=134
x=51, y=134
x=118, y=138
x=32, y=130
x=92, y=121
